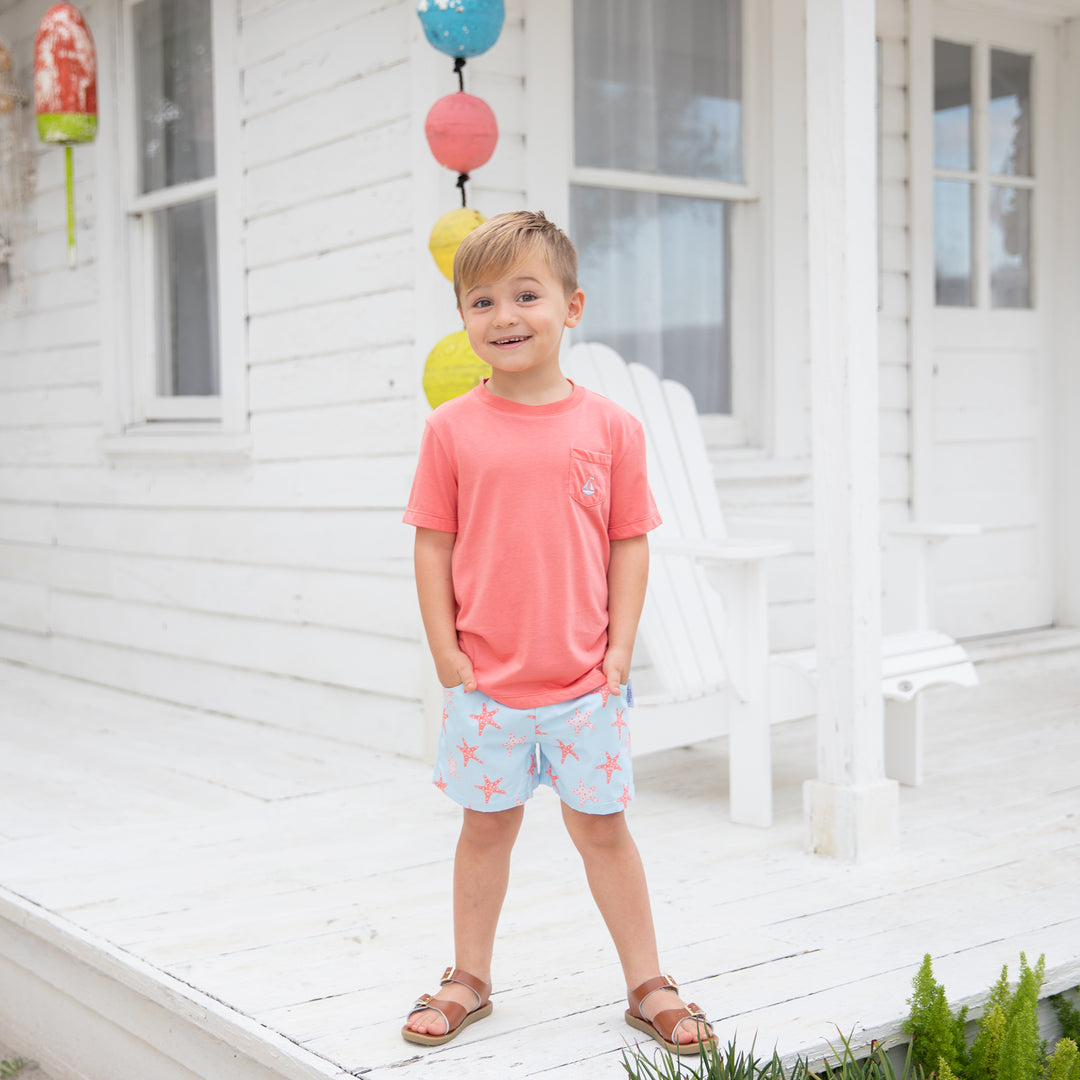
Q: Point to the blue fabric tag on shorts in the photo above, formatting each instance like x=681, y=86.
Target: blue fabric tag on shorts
x=629, y=693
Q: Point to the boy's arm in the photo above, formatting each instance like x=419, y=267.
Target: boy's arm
x=628, y=574
x=435, y=589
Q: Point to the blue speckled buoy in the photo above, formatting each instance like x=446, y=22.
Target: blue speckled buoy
x=461, y=27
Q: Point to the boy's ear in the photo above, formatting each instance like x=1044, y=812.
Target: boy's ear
x=575, y=308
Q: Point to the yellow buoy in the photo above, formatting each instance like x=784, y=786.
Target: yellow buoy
x=448, y=233
x=452, y=369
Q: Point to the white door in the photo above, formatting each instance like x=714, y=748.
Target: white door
x=988, y=437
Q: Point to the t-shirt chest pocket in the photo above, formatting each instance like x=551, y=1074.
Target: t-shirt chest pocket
x=590, y=474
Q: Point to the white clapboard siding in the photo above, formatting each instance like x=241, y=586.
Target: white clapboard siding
x=54, y=407
x=34, y=329
x=268, y=27
x=364, y=43
x=350, y=659
x=373, y=266
x=58, y=288
x=365, y=157
x=383, y=722
x=342, y=483
x=312, y=121
x=382, y=601
x=334, y=378
x=327, y=539
x=24, y=605
x=367, y=429
x=364, y=214
x=35, y=368
x=76, y=446
x=361, y=322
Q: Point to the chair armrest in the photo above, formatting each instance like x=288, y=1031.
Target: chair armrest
x=723, y=551
x=934, y=531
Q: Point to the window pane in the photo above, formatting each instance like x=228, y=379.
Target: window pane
x=952, y=105
x=1010, y=247
x=658, y=86
x=174, y=86
x=1010, y=113
x=656, y=275
x=186, y=276
x=952, y=243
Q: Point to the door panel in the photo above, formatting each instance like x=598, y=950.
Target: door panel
x=989, y=432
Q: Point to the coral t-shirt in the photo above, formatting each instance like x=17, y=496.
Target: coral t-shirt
x=535, y=494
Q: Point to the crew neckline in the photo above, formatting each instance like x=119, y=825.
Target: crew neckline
x=552, y=408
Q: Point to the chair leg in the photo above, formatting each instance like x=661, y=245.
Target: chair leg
x=904, y=741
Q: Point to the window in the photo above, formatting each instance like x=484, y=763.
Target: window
x=658, y=184
x=983, y=176
x=182, y=315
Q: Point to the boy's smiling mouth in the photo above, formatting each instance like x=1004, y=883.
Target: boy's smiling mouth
x=515, y=340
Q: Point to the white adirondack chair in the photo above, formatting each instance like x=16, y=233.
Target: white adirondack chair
x=708, y=670
x=703, y=631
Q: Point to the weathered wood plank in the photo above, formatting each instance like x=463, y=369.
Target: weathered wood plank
x=367, y=429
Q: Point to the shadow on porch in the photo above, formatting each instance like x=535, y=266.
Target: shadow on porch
x=188, y=895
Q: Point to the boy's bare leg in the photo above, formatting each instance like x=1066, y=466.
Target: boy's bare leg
x=481, y=874
x=617, y=881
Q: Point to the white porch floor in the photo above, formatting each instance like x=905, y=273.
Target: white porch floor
x=274, y=889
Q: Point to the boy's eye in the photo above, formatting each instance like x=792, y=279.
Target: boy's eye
x=527, y=296
x=481, y=303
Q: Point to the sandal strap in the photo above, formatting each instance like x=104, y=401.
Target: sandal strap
x=481, y=989
x=636, y=997
x=670, y=1020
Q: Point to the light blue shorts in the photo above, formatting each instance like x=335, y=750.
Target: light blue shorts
x=492, y=757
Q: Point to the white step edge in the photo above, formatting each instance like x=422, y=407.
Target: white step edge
x=87, y=1010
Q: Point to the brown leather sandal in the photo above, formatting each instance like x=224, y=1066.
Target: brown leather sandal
x=457, y=1017
x=664, y=1024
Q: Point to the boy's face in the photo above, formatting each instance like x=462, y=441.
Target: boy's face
x=515, y=323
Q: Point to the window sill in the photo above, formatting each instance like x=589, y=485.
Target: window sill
x=753, y=466
x=178, y=445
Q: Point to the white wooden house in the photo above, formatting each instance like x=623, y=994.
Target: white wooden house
x=802, y=208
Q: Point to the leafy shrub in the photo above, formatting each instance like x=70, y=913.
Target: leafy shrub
x=1068, y=1016
x=937, y=1035
x=1064, y=1063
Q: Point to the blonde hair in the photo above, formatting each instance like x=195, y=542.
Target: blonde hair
x=505, y=241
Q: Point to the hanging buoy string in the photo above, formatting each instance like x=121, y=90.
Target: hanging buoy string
x=459, y=71
x=69, y=174
x=461, y=182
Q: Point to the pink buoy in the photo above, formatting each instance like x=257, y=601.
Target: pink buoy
x=65, y=90
x=461, y=131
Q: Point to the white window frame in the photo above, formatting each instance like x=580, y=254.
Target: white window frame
x=552, y=172
x=141, y=421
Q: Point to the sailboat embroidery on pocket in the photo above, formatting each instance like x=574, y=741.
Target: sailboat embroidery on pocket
x=587, y=488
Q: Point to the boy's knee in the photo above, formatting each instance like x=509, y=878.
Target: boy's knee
x=494, y=829
x=595, y=831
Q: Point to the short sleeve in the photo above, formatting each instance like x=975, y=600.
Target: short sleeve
x=433, y=499
x=633, y=509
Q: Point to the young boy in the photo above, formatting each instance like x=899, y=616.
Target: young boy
x=531, y=509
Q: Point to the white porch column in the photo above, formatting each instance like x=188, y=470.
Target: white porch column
x=851, y=808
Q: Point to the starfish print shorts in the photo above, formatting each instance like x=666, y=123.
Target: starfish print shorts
x=492, y=757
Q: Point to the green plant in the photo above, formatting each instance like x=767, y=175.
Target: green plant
x=13, y=1067
x=1068, y=1016
x=1064, y=1062
x=1008, y=1046
x=937, y=1035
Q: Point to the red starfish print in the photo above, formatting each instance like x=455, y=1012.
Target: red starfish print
x=553, y=778
x=440, y=783
x=468, y=752
x=489, y=788
x=452, y=765
x=619, y=722
x=585, y=794
x=566, y=749
x=536, y=726
x=581, y=720
x=447, y=696
x=605, y=693
x=514, y=740
x=625, y=798
x=611, y=765
x=445, y=717
x=532, y=764
x=485, y=718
